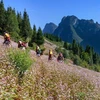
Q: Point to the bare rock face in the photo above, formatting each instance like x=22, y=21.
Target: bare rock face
x=49, y=28
x=85, y=32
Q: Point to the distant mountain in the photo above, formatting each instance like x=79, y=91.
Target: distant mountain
x=49, y=28
x=66, y=30
x=85, y=32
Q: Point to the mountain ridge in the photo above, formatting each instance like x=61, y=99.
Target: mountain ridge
x=85, y=32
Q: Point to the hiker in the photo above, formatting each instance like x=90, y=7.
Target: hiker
x=21, y=45
x=6, y=38
x=60, y=57
x=38, y=51
x=50, y=54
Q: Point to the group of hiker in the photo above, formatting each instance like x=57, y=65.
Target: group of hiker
x=60, y=57
x=22, y=45
x=7, y=41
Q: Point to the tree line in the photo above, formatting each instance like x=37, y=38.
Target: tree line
x=86, y=57
x=52, y=37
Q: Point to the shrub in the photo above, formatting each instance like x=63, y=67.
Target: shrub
x=58, y=49
x=96, y=68
x=84, y=64
x=65, y=53
x=20, y=59
x=77, y=60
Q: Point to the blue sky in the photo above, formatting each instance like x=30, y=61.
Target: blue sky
x=44, y=11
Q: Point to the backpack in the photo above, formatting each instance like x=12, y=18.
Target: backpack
x=60, y=57
x=7, y=35
x=38, y=51
x=51, y=52
x=23, y=45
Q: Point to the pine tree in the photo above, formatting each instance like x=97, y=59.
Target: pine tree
x=11, y=20
x=34, y=36
x=26, y=31
x=40, y=38
x=65, y=45
x=75, y=47
x=2, y=17
x=80, y=51
x=19, y=19
x=95, y=58
x=12, y=23
x=89, y=50
x=85, y=57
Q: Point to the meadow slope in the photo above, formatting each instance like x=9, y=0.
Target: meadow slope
x=91, y=76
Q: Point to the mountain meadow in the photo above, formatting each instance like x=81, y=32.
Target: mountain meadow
x=25, y=76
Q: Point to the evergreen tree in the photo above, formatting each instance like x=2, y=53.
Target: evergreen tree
x=58, y=39
x=52, y=37
x=80, y=51
x=95, y=58
x=75, y=47
x=70, y=46
x=85, y=57
x=2, y=17
x=40, y=38
x=89, y=50
x=19, y=19
x=65, y=45
x=26, y=31
x=47, y=35
x=12, y=23
x=34, y=36
x=11, y=20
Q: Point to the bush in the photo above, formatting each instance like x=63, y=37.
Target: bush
x=84, y=64
x=77, y=60
x=65, y=53
x=96, y=68
x=20, y=59
x=58, y=49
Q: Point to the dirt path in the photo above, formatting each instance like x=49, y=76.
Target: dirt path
x=90, y=75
